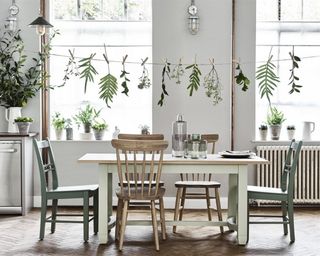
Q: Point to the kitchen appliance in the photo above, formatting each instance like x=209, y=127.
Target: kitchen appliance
x=10, y=177
x=308, y=128
x=179, y=135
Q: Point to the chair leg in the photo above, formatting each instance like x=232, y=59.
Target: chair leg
x=183, y=199
x=218, y=203
x=43, y=217
x=162, y=219
x=291, y=221
x=284, y=216
x=54, y=214
x=96, y=211
x=118, y=218
x=176, y=209
x=155, y=225
x=123, y=224
x=86, y=216
x=208, y=204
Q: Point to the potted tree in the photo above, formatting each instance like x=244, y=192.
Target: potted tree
x=275, y=119
x=58, y=122
x=263, y=130
x=291, y=129
x=99, y=128
x=23, y=124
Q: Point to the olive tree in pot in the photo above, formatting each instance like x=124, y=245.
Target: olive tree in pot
x=23, y=124
x=275, y=119
x=99, y=128
x=58, y=123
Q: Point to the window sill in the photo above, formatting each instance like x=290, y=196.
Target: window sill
x=284, y=142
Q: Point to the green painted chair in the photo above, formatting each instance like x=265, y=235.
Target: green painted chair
x=284, y=194
x=50, y=190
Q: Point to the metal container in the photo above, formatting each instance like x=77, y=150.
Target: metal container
x=179, y=135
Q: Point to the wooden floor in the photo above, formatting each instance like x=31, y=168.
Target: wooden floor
x=19, y=236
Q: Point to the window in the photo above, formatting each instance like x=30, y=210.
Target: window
x=85, y=26
x=282, y=24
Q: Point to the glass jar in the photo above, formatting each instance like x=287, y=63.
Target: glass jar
x=203, y=149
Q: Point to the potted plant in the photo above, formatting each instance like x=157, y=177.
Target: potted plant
x=69, y=129
x=263, y=130
x=145, y=129
x=275, y=119
x=23, y=124
x=291, y=129
x=99, y=128
x=85, y=117
x=58, y=123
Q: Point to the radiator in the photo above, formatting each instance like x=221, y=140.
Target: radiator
x=307, y=179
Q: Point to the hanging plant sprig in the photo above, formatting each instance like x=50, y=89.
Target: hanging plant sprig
x=293, y=78
x=194, y=78
x=177, y=72
x=71, y=68
x=241, y=79
x=123, y=75
x=88, y=71
x=267, y=79
x=108, y=84
x=144, y=80
x=212, y=84
x=165, y=72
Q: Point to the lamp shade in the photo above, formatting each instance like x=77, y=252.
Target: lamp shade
x=40, y=21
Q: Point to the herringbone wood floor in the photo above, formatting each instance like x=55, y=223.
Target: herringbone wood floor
x=19, y=236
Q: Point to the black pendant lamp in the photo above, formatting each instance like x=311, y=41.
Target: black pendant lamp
x=40, y=24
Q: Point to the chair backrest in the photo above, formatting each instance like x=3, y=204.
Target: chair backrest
x=46, y=165
x=211, y=139
x=290, y=166
x=140, y=157
x=127, y=136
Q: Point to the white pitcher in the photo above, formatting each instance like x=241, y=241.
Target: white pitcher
x=11, y=114
x=308, y=128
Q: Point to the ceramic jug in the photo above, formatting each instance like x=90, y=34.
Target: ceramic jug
x=308, y=128
x=11, y=114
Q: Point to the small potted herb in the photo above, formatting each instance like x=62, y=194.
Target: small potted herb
x=291, y=129
x=58, y=123
x=275, y=119
x=69, y=130
x=263, y=130
x=23, y=124
x=99, y=128
x=145, y=129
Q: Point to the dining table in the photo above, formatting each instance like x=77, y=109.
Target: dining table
x=235, y=168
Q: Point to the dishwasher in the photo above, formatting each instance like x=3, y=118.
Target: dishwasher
x=10, y=177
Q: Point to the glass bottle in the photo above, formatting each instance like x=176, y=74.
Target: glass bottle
x=179, y=135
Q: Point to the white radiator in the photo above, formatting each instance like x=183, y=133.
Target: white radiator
x=307, y=179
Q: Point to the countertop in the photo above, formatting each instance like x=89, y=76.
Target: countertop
x=12, y=134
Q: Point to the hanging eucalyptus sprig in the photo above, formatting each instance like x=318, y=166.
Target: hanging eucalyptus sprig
x=177, y=72
x=241, y=79
x=267, y=79
x=194, y=78
x=71, y=68
x=144, y=79
x=87, y=70
x=212, y=84
x=165, y=72
x=108, y=83
x=123, y=75
x=293, y=78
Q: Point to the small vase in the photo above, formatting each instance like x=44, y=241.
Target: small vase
x=58, y=133
x=98, y=134
x=291, y=134
x=69, y=133
x=263, y=134
x=275, y=131
x=23, y=127
x=11, y=114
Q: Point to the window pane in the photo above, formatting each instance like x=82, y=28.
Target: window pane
x=267, y=10
x=66, y=10
x=291, y=10
x=311, y=10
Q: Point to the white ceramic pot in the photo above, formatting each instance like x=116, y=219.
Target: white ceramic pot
x=23, y=127
x=98, y=134
x=263, y=134
x=275, y=131
x=58, y=133
x=291, y=134
x=11, y=114
x=85, y=136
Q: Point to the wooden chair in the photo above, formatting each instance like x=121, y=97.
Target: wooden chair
x=143, y=158
x=52, y=191
x=198, y=181
x=284, y=194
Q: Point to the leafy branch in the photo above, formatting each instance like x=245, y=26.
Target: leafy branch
x=144, y=79
x=88, y=70
x=212, y=85
x=165, y=72
x=177, y=72
x=71, y=68
x=267, y=79
x=293, y=78
x=123, y=75
x=241, y=79
x=108, y=84
x=194, y=78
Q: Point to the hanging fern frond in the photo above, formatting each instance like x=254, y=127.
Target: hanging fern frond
x=194, y=78
x=293, y=78
x=267, y=79
x=241, y=79
x=88, y=70
x=123, y=75
x=165, y=72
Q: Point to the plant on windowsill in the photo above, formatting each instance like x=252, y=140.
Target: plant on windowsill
x=69, y=129
x=263, y=130
x=291, y=129
x=145, y=129
x=99, y=127
x=23, y=124
x=275, y=119
x=58, y=123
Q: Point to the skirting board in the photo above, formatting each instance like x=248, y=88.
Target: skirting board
x=169, y=203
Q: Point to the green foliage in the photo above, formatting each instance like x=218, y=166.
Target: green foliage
x=23, y=120
x=177, y=72
x=241, y=79
x=267, y=79
x=87, y=70
x=123, y=75
x=100, y=126
x=212, y=85
x=291, y=127
x=293, y=78
x=71, y=68
x=263, y=127
x=165, y=72
x=87, y=115
x=58, y=122
x=144, y=78
x=194, y=78
x=68, y=123
x=275, y=117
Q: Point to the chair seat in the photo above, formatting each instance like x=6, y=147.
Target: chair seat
x=146, y=183
x=80, y=188
x=136, y=194
x=266, y=190
x=198, y=184
x=267, y=193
